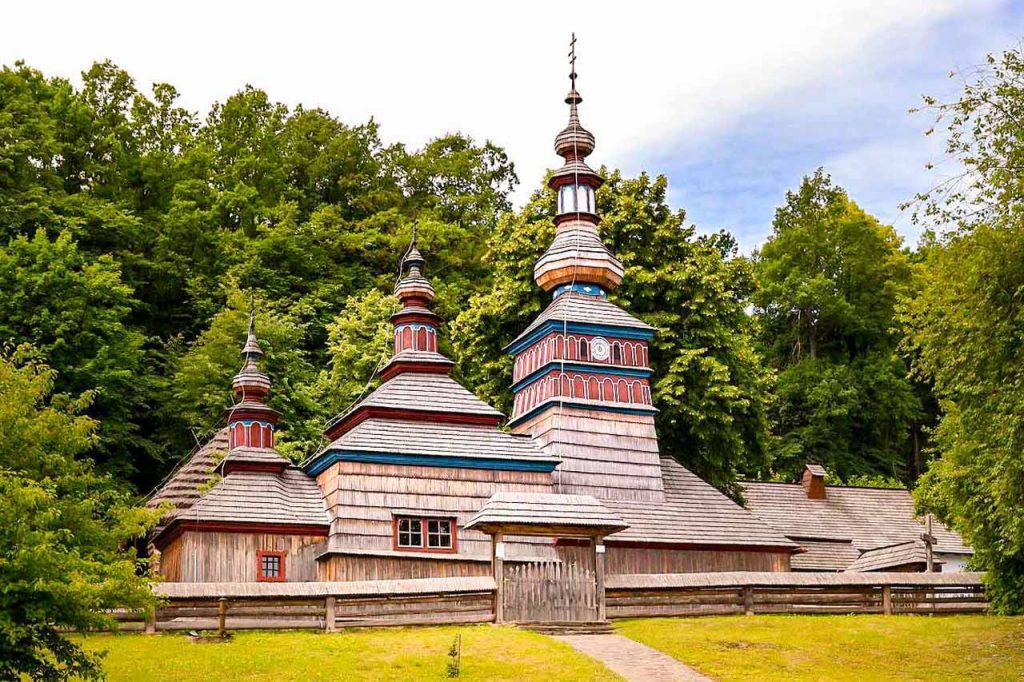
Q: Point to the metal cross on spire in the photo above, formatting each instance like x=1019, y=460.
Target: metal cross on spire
x=572, y=60
x=252, y=312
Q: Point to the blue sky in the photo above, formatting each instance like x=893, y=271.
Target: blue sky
x=852, y=120
x=734, y=100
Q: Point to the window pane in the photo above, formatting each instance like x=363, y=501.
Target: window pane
x=410, y=533
x=439, y=534
x=270, y=566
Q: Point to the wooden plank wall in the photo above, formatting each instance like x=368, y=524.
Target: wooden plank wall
x=643, y=560
x=231, y=557
x=352, y=567
x=605, y=454
x=363, y=498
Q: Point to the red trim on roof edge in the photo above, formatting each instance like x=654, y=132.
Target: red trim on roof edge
x=414, y=366
x=361, y=414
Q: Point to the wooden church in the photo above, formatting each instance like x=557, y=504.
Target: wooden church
x=421, y=479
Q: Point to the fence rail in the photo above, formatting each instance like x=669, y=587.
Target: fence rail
x=330, y=606
x=702, y=594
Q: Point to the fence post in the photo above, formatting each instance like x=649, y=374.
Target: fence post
x=498, y=547
x=222, y=616
x=748, y=600
x=887, y=599
x=151, y=620
x=602, y=605
x=330, y=621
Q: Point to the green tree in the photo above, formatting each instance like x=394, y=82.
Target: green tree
x=75, y=311
x=63, y=529
x=829, y=278
x=965, y=326
x=708, y=382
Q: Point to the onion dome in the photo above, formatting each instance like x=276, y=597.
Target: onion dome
x=414, y=288
x=575, y=141
x=251, y=382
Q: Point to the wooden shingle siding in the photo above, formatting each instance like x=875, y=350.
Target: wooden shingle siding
x=604, y=454
x=585, y=310
x=362, y=500
x=231, y=557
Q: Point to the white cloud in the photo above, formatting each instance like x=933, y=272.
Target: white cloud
x=648, y=71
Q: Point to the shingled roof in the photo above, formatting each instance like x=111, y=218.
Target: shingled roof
x=288, y=498
x=866, y=518
x=893, y=556
x=425, y=392
x=435, y=439
x=584, y=309
x=545, y=509
x=182, y=487
x=693, y=512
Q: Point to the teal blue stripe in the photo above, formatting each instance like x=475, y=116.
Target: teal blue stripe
x=607, y=407
x=579, y=328
x=451, y=462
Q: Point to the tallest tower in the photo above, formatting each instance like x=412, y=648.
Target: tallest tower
x=581, y=376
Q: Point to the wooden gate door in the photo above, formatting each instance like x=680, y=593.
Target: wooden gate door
x=549, y=592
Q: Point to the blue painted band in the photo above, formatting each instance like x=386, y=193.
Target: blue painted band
x=578, y=328
x=329, y=457
x=585, y=368
x=249, y=422
x=580, y=288
x=415, y=326
x=606, y=407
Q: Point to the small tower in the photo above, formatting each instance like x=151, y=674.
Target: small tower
x=251, y=422
x=581, y=376
x=415, y=324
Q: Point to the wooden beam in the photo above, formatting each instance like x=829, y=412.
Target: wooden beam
x=887, y=599
x=222, y=616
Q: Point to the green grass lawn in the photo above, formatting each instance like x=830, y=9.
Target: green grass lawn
x=488, y=653
x=840, y=647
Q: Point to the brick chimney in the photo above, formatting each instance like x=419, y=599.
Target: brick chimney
x=813, y=481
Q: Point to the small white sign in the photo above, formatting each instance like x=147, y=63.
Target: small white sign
x=499, y=550
x=599, y=549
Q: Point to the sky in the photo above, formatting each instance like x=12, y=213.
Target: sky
x=733, y=101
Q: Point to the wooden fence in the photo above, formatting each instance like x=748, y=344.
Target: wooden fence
x=317, y=605
x=702, y=594
x=333, y=605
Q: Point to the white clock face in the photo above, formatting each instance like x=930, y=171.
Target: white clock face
x=599, y=348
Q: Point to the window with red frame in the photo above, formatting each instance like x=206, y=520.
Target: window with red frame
x=270, y=566
x=426, y=534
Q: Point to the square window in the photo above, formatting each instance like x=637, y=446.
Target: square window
x=270, y=566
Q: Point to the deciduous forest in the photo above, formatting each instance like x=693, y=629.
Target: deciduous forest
x=135, y=235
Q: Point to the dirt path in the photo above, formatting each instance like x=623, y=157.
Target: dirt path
x=632, y=660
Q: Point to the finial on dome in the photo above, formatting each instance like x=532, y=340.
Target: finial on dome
x=413, y=288
x=251, y=381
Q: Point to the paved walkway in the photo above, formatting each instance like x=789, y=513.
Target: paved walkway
x=632, y=660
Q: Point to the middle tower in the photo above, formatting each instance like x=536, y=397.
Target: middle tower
x=581, y=376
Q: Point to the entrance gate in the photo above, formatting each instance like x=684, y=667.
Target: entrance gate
x=549, y=591
x=545, y=591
